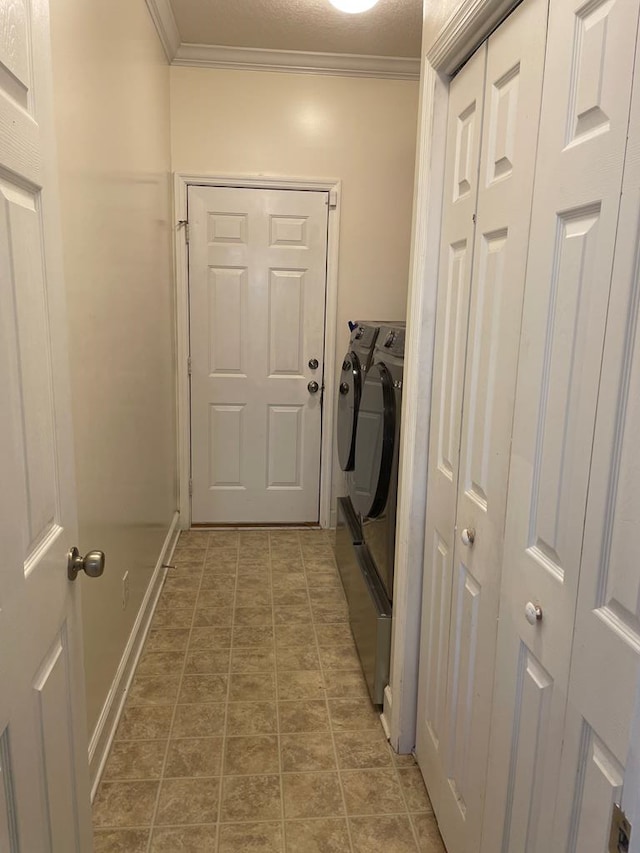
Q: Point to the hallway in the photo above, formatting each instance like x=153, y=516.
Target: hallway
x=248, y=726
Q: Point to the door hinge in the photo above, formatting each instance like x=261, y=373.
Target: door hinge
x=333, y=198
x=189, y=365
x=184, y=223
x=190, y=487
x=620, y=836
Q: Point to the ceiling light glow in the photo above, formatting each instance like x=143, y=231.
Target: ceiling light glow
x=353, y=6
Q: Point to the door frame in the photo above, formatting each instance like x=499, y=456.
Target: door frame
x=442, y=55
x=332, y=186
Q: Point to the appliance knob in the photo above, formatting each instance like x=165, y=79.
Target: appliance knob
x=344, y=388
x=346, y=365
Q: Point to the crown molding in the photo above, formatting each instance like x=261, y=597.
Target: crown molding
x=299, y=62
x=467, y=27
x=165, y=22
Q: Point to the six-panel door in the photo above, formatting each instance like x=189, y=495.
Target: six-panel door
x=257, y=274
x=44, y=779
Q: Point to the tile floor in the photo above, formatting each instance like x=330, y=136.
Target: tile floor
x=248, y=728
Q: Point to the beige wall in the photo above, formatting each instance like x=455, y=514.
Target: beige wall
x=362, y=131
x=111, y=87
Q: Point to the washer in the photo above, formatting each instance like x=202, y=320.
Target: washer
x=375, y=477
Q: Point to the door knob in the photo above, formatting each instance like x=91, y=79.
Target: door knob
x=533, y=612
x=468, y=536
x=92, y=564
x=313, y=363
x=344, y=388
x=313, y=387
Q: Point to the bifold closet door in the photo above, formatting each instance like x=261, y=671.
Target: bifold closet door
x=584, y=121
x=467, y=609
x=459, y=206
x=606, y=649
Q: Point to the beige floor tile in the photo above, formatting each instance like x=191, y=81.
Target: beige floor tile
x=186, y=839
x=154, y=690
x=212, y=599
x=301, y=684
x=251, y=755
x=290, y=596
x=334, y=634
x=343, y=656
x=251, y=798
x=252, y=687
x=210, y=638
x=414, y=790
x=220, y=617
x=305, y=716
x=289, y=581
x=312, y=795
x=257, y=597
x=245, y=637
x=120, y=840
x=305, y=753
x=173, y=618
x=253, y=660
x=188, y=801
x=167, y=640
x=254, y=617
x=145, y=722
x=207, y=661
x=345, y=684
x=194, y=757
x=203, y=720
x=294, y=635
x=293, y=657
x=139, y=759
x=251, y=718
x=404, y=760
x=170, y=597
x=353, y=715
x=373, y=834
x=325, y=835
x=215, y=568
x=206, y=687
x=296, y=614
x=125, y=804
x=160, y=663
x=372, y=792
x=361, y=750
x=429, y=839
x=327, y=613
x=252, y=578
x=177, y=580
x=332, y=596
x=251, y=838
x=287, y=565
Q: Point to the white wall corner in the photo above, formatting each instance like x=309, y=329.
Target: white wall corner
x=105, y=729
x=165, y=23
x=299, y=62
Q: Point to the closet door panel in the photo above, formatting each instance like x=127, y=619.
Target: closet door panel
x=585, y=111
x=456, y=260
x=513, y=91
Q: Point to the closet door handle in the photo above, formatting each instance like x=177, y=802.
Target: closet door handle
x=468, y=536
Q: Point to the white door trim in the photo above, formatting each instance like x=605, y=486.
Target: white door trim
x=182, y=181
x=461, y=35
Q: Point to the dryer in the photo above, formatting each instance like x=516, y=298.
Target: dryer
x=365, y=535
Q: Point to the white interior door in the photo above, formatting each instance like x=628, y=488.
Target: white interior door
x=512, y=91
x=605, y=665
x=257, y=280
x=584, y=120
x=464, y=130
x=44, y=779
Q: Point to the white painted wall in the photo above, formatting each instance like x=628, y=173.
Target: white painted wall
x=362, y=131
x=111, y=87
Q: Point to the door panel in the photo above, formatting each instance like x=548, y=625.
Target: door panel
x=469, y=590
x=456, y=259
x=257, y=266
x=44, y=778
x=606, y=651
x=584, y=121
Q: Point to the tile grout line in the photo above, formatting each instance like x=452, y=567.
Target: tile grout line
x=154, y=814
x=277, y=689
x=228, y=693
x=326, y=701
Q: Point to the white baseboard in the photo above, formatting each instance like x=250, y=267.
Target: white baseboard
x=105, y=729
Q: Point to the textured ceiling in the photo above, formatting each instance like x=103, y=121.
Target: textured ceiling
x=392, y=28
